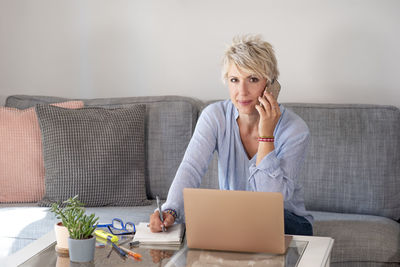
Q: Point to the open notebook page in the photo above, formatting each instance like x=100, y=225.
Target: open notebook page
x=173, y=235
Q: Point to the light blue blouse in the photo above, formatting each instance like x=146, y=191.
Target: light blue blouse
x=217, y=130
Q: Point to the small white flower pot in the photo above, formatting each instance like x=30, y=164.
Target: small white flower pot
x=62, y=236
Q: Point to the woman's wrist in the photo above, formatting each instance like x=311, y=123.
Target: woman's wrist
x=172, y=212
x=269, y=138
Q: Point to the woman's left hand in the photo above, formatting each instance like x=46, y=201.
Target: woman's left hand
x=269, y=114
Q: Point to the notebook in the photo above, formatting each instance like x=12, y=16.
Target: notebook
x=173, y=236
x=235, y=220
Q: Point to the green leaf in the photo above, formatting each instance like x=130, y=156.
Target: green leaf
x=72, y=215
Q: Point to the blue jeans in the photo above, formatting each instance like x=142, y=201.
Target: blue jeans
x=297, y=225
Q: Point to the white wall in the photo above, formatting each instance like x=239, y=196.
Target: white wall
x=338, y=51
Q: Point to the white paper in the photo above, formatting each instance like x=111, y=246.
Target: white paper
x=173, y=235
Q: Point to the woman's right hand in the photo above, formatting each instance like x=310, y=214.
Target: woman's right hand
x=156, y=224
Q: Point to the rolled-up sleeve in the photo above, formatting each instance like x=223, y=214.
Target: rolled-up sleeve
x=279, y=169
x=195, y=161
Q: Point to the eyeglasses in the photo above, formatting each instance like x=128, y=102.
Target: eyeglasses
x=118, y=225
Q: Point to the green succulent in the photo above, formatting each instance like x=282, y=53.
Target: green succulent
x=72, y=214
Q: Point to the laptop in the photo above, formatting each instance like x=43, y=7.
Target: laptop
x=229, y=220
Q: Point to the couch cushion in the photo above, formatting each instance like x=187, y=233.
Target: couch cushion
x=93, y=152
x=21, y=159
x=359, y=238
x=170, y=121
x=353, y=163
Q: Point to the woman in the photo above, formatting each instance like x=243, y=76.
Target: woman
x=261, y=145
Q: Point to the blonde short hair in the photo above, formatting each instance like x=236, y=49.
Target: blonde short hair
x=250, y=53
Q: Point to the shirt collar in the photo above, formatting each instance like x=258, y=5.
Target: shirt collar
x=236, y=112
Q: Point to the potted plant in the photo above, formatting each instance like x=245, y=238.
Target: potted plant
x=81, y=242
x=63, y=212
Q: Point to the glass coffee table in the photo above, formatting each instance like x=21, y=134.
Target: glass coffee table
x=303, y=251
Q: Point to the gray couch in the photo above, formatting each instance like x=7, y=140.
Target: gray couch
x=351, y=176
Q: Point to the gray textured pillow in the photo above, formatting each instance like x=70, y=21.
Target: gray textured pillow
x=94, y=152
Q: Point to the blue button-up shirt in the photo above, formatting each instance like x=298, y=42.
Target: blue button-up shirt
x=217, y=130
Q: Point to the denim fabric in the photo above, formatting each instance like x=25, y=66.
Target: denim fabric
x=297, y=225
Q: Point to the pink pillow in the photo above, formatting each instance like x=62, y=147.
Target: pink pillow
x=21, y=159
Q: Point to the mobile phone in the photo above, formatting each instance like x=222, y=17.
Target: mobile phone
x=273, y=87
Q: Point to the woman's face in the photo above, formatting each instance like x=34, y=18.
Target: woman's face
x=244, y=89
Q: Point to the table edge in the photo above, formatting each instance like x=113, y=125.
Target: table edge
x=318, y=250
x=30, y=250
x=315, y=243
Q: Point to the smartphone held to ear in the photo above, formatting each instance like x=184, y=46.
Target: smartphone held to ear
x=273, y=87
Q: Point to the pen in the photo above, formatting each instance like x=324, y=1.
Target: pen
x=131, y=253
x=120, y=251
x=159, y=210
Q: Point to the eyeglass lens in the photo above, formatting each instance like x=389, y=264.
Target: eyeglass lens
x=118, y=224
x=129, y=227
